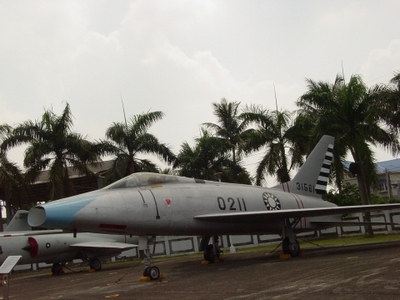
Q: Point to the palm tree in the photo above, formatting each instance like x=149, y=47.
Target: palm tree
x=348, y=112
x=53, y=146
x=11, y=177
x=209, y=159
x=388, y=99
x=396, y=80
x=229, y=127
x=272, y=133
x=127, y=140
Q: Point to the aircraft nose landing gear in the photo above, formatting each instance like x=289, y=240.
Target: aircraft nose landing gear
x=150, y=272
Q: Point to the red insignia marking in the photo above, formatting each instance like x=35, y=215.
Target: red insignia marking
x=168, y=201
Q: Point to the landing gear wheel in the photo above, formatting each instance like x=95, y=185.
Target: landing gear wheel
x=95, y=264
x=153, y=272
x=56, y=269
x=209, y=254
x=290, y=248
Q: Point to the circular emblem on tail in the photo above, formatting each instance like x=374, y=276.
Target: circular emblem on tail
x=271, y=202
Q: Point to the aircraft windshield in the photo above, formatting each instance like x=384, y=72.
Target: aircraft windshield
x=147, y=179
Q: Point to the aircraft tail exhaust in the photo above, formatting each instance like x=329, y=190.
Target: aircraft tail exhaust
x=312, y=178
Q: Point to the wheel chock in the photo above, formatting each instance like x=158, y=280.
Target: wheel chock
x=145, y=278
x=285, y=256
x=205, y=262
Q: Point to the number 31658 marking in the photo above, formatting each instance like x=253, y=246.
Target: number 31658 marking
x=305, y=187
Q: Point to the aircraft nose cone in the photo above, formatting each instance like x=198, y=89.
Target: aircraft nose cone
x=62, y=213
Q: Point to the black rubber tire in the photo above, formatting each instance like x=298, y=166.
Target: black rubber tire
x=56, y=269
x=291, y=248
x=154, y=273
x=294, y=249
x=95, y=264
x=146, y=271
x=209, y=254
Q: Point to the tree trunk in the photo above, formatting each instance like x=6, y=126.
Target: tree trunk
x=364, y=194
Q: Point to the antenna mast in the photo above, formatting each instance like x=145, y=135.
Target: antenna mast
x=276, y=99
x=123, y=110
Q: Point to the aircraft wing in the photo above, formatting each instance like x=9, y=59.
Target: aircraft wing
x=30, y=233
x=104, y=245
x=259, y=216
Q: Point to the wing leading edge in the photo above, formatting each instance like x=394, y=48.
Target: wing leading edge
x=104, y=245
x=259, y=216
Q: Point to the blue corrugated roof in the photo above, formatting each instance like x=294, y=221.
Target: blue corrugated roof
x=392, y=165
x=389, y=165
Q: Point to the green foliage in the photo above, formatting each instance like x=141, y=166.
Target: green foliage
x=273, y=135
x=352, y=114
x=375, y=199
x=230, y=127
x=126, y=140
x=349, y=195
x=209, y=156
x=52, y=145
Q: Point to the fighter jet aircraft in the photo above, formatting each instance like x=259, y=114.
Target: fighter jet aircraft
x=57, y=248
x=149, y=204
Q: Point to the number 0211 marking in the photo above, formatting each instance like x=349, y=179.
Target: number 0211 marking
x=237, y=204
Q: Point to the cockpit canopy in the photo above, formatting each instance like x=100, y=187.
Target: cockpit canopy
x=147, y=179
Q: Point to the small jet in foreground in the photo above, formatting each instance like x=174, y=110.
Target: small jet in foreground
x=57, y=248
x=150, y=204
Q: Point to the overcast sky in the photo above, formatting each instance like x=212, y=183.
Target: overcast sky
x=181, y=56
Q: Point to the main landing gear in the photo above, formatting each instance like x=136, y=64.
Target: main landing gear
x=57, y=269
x=211, y=252
x=150, y=272
x=289, y=244
x=94, y=264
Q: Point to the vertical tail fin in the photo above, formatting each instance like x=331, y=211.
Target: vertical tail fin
x=19, y=222
x=312, y=178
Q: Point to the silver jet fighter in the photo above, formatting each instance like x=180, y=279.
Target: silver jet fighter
x=57, y=248
x=150, y=204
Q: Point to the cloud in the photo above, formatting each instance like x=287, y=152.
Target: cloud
x=181, y=56
x=382, y=63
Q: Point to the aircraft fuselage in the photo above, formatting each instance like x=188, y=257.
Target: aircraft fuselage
x=169, y=208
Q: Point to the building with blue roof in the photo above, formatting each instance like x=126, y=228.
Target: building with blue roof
x=388, y=178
